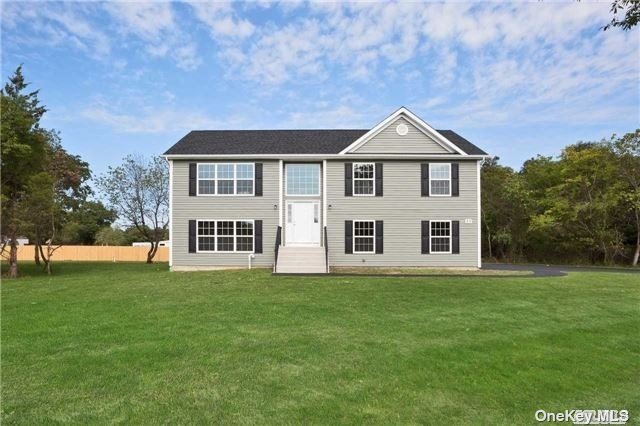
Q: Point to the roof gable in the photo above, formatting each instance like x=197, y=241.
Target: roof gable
x=417, y=122
x=402, y=137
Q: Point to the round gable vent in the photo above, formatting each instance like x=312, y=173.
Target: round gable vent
x=402, y=129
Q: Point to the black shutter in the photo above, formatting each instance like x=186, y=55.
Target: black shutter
x=455, y=237
x=193, y=179
x=257, y=236
x=258, y=180
x=424, y=179
x=348, y=179
x=348, y=236
x=455, y=185
x=192, y=236
x=378, y=179
x=379, y=237
x=425, y=236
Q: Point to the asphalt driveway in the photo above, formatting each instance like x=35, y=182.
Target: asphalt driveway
x=542, y=270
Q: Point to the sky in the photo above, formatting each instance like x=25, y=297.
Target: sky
x=516, y=78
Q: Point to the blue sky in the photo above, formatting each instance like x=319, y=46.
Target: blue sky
x=517, y=78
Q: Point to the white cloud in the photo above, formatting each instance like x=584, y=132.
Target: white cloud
x=340, y=116
x=158, y=120
x=54, y=24
x=487, y=62
x=148, y=20
x=221, y=20
x=154, y=24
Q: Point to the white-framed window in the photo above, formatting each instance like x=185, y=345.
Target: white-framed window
x=303, y=179
x=364, y=179
x=440, y=236
x=225, y=236
x=364, y=236
x=440, y=179
x=226, y=178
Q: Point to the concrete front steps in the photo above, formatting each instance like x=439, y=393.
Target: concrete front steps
x=301, y=260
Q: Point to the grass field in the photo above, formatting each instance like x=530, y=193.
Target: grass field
x=134, y=343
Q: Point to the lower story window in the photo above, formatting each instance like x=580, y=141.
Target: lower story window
x=440, y=236
x=364, y=236
x=225, y=235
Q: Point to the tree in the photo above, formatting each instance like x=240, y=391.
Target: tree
x=85, y=221
x=138, y=191
x=584, y=207
x=133, y=235
x=631, y=9
x=110, y=236
x=504, y=211
x=22, y=150
x=627, y=149
x=44, y=214
x=69, y=175
x=543, y=239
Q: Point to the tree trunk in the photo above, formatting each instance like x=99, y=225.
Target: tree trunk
x=13, y=259
x=636, y=255
x=489, y=241
x=152, y=251
x=36, y=251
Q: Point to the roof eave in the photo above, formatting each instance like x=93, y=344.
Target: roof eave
x=325, y=156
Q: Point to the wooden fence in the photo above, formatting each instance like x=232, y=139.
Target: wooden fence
x=98, y=253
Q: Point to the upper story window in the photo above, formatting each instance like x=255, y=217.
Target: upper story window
x=364, y=178
x=440, y=179
x=440, y=236
x=226, y=178
x=303, y=179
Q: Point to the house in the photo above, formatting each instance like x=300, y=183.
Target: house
x=398, y=195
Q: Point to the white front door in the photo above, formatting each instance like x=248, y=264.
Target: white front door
x=303, y=223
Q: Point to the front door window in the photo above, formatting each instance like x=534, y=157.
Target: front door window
x=303, y=223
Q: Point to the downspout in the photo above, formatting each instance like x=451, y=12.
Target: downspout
x=249, y=258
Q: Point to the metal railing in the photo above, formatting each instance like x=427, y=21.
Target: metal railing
x=277, y=247
x=326, y=249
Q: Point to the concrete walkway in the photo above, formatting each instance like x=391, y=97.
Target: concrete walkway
x=541, y=270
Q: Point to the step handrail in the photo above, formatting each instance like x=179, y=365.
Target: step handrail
x=326, y=250
x=277, y=247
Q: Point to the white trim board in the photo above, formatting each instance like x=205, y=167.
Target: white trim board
x=171, y=212
x=413, y=119
x=293, y=157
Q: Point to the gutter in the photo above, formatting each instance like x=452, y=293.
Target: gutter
x=456, y=157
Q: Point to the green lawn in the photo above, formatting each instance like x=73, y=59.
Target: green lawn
x=134, y=343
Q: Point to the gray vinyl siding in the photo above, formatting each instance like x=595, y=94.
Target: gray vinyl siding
x=388, y=141
x=187, y=207
x=402, y=209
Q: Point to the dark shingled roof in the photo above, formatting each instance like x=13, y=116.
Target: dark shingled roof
x=219, y=142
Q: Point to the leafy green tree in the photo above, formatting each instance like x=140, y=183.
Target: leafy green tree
x=584, y=207
x=138, y=191
x=22, y=150
x=69, y=176
x=85, y=221
x=110, y=236
x=627, y=149
x=631, y=10
x=133, y=235
x=45, y=214
x=539, y=175
x=505, y=204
